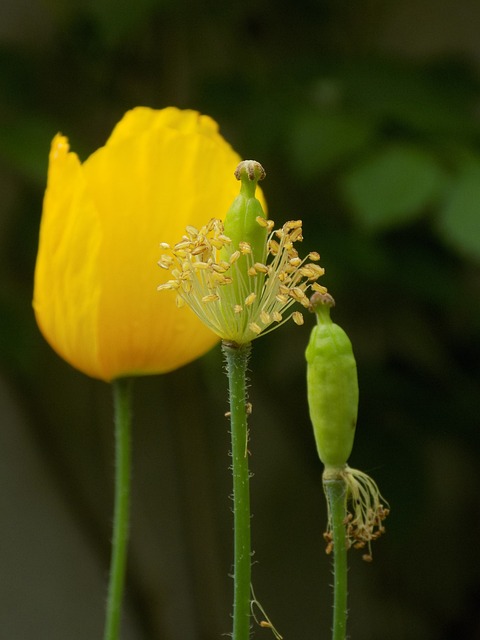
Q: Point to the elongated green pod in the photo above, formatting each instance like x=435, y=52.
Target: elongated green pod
x=247, y=228
x=242, y=219
x=332, y=385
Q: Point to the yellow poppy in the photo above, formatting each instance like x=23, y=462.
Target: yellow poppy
x=96, y=277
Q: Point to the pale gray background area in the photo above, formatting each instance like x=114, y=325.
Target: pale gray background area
x=52, y=581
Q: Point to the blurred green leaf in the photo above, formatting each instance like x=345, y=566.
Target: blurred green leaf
x=320, y=140
x=393, y=187
x=459, y=219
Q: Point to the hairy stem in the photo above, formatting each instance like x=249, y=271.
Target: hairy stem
x=237, y=358
x=335, y=490
x=122, y=393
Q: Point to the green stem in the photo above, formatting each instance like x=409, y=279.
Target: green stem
x=122, y=393
x=335, y=490
x=237, y=358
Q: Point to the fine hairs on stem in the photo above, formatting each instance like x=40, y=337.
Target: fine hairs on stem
x=336, y=494
x=356, y=513
x=236, y=357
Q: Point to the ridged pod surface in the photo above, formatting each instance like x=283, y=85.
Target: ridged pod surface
x=241, y=221
x=332, y=385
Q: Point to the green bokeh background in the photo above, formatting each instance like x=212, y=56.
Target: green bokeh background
x=366, y=116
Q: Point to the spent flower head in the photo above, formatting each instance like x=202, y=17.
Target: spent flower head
x=242, y=284
x=366, y=510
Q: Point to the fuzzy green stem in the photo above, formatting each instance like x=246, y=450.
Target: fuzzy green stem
x=236, y=357
x=122, y=393
x=335, y=490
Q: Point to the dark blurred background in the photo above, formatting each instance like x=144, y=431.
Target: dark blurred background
x=366, y=116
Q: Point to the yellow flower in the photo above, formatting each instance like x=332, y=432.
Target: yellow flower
x=96, y=274
x=233, y=293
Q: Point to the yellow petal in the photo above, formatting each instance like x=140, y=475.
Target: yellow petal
x=67, y=289
x=96, y=297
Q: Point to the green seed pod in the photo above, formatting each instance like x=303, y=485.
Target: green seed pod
x=242, y=220
x=332, y=385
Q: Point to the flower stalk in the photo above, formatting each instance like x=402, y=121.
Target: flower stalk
x=356, y=508
x=122, y=393
x=241, y=278
x=236, y=357
x=336, y=493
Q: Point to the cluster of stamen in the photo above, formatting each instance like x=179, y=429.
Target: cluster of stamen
x=365, y=513
x=237, y=296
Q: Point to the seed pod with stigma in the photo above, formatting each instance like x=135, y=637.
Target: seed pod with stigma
x=332, y=385
x=245, y=222
x=241, y=277
x=247, y=228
